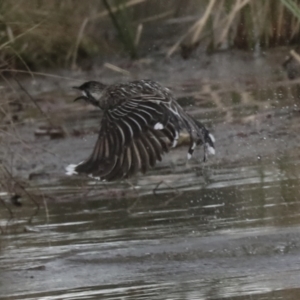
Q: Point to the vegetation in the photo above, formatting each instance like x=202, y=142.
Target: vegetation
x=63, y=33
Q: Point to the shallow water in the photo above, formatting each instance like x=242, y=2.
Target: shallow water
x=237, y=237
x=229, y=229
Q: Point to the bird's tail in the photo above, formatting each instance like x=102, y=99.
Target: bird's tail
x=199, y=135
x=205, y=138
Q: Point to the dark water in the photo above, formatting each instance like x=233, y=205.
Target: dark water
x=235, y=236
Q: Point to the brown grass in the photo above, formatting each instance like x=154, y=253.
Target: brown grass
x=46, y=34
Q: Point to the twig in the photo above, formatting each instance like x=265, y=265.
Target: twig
x=22, y=60
x=198, y=26
x=295, y=55
x=8, y=208
x=20, y=35
x=157, y=17
x=39, y=74
x=78, y=40
x=138, y=35
x=238, y=6
x=170, y=200
x=176, y=192
x=116, y=8
x=116, y=69
x=202, y=21
x=169, y=186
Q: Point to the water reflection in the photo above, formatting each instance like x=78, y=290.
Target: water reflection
x=233, y=237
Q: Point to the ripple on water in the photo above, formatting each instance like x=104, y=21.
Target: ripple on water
x=234, y=235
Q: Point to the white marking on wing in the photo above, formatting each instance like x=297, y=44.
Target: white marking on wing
x=158, y=126
x=70, y=169
x=212, y=137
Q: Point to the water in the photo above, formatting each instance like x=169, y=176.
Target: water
x=236, y=238
x=228, y=229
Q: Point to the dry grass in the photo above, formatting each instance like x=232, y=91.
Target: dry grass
x=59, y=33
x=37, y=34
x=246, y=24
x=49, y=33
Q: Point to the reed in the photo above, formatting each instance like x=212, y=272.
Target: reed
x=122, y=22
x=38, y=34
x=244, y=24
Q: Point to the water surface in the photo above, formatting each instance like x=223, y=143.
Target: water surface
x=229, y=229
x=235, y=238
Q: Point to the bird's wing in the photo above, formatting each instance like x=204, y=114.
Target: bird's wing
x=133, y=136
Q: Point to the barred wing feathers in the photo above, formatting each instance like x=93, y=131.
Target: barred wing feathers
x=141, y=122
x=133, y=136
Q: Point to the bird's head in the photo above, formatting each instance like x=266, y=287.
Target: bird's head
x=91, y=92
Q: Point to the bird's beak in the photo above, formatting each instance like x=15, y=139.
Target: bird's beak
x=80, y=98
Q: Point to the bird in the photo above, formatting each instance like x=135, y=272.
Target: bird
x=141, y=122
